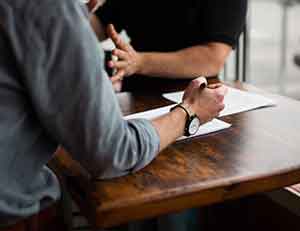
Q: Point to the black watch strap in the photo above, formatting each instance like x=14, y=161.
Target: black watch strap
x=188, y=118
x=183, y=108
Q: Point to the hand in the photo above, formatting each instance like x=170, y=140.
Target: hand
x=206, y=103
x=129, y=60
x=93, y=5
x=117, y=86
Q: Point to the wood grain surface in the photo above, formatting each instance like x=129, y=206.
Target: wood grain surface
x=260, y=152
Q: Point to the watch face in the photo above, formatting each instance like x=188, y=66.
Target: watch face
x=194, y=126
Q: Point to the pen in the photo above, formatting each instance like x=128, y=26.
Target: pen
x=203, y=83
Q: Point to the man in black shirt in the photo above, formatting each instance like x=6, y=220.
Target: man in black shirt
x=172, y=39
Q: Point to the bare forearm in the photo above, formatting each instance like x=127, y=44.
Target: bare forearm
x=187, y=63
x=170, y=126
x=98, y=27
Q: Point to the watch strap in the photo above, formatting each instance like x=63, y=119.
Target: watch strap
x=188, y=118
x=183, y=108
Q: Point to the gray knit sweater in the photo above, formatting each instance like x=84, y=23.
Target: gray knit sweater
x=53, y=90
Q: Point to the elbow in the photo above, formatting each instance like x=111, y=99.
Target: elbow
x=132, y=150
x=116, y=159
x=218, y=54
x=216, y=66
x=113, y=164
x=108, y=168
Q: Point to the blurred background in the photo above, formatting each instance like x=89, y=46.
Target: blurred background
x=273, y=42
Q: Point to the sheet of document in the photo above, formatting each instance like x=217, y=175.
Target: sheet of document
x=236, y=101
x=108, y=44
x=213, y=126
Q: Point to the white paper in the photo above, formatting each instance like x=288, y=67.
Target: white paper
x=151, y=114
x=213, y=126
x=236, y=101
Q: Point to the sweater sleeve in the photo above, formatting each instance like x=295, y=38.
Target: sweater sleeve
x=72, y=95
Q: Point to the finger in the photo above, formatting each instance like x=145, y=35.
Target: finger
x=214, y=86
x=222, y=106
x=201, y=82
x=194, y=84
x=212, y=117
x=220, y=93
x=188, y=91
x=118, y=76
x=118, y=64
x=112, y=33
x=117, y=86
x=93, y=5
x=222, y=90
x=120, y=54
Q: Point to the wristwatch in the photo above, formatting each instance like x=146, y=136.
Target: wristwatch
x=192, y=123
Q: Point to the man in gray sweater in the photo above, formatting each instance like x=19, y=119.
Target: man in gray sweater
x=54, y=91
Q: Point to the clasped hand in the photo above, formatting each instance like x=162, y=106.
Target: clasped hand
x=206, y=103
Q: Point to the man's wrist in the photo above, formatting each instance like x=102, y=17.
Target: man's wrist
x=181, y=111
x=188, y=107
x=192, y=122
x=181, y=118
x=142, y=60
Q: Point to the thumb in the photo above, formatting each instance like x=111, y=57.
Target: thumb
x=221, y=91
x=91, y=4
x=115, y=37
x=111, y=31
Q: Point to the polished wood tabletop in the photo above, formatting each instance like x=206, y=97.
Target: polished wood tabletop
x=260, y=152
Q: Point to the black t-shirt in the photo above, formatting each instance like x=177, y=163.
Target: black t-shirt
x=168, y=25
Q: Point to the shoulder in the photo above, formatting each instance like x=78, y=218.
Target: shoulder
x=41, y=11
x=49, y=16
x=34, y=24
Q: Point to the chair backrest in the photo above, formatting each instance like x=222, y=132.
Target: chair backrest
x=242, y=56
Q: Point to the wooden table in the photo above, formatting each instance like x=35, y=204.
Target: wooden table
x=260, y=152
